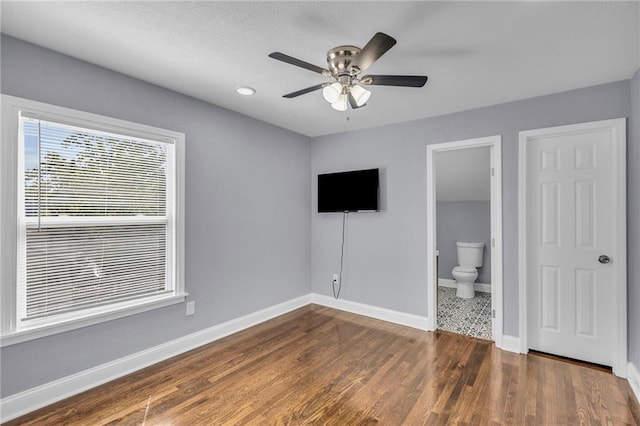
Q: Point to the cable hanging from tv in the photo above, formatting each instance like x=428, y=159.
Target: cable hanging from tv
x=336, y=295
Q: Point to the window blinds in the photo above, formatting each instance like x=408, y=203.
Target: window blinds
x=95, y=219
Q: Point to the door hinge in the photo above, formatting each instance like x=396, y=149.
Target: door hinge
x=493, y=171
x=493, y=242
x=493, y=313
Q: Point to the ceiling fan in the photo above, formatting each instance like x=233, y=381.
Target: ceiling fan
x=346, y=63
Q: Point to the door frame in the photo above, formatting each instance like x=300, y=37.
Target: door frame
x=495, y=145
x=617, y=127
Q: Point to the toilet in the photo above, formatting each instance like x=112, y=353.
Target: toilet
x=469, y=257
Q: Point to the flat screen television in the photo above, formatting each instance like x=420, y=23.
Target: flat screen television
x=353, y=191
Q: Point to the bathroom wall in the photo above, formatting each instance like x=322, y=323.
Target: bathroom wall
x=463, y=221
x=463, y=207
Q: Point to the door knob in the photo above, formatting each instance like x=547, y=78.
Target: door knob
x=604, y=259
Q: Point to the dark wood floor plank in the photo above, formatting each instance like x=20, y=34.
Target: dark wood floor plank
x=317, y=365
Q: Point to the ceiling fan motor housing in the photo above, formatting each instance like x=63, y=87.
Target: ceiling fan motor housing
x=340, y=58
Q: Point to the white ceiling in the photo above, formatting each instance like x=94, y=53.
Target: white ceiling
x=463, y=175
x=475, y=53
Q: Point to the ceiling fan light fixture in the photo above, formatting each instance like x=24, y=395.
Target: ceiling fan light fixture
x=332, y=92
x=340, y=104
x=360, y=94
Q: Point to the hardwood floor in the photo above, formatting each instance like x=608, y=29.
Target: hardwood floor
x=317, y=365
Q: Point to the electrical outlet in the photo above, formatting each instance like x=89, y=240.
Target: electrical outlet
x=335, y=279
x=191, y=308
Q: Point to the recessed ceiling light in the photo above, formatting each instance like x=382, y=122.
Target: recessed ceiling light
x=245, y=90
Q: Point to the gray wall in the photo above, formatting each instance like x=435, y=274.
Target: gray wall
x=463, y=221
x=249, y=217
x=633, y=222
x=247, y=212
x=386, y=252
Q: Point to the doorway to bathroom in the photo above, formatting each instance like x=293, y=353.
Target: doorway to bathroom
x=464, y=252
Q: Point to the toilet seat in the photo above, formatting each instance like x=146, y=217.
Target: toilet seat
x=465, y=269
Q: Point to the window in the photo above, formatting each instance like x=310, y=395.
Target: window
x=97, y=230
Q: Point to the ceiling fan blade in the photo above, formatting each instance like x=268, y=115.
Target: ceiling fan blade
x=297, y=62
x=376, y=47
x=305, y=91
x=395, y=80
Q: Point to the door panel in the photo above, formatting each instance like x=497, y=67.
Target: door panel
x=585, y=207
x=549, y=214
x=585, y=302
x=550, y=306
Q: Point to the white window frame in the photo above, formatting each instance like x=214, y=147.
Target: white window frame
x=10, y=168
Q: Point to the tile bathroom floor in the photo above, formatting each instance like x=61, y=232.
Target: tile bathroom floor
x=471, y=317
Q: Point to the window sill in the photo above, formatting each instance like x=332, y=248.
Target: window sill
x=21, y=336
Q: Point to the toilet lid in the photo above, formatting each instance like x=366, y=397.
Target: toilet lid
x=465, y=269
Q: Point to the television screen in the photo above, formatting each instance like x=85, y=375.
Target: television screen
x=348, y=191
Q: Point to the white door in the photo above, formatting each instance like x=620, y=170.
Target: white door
x=571, y=243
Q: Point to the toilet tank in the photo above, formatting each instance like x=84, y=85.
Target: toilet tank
x=470, y=254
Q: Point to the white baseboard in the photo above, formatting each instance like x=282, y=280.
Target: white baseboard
x=446, y=282
x=633, y=376
x=24, y=402
x=510, y=344
x=410, y=320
